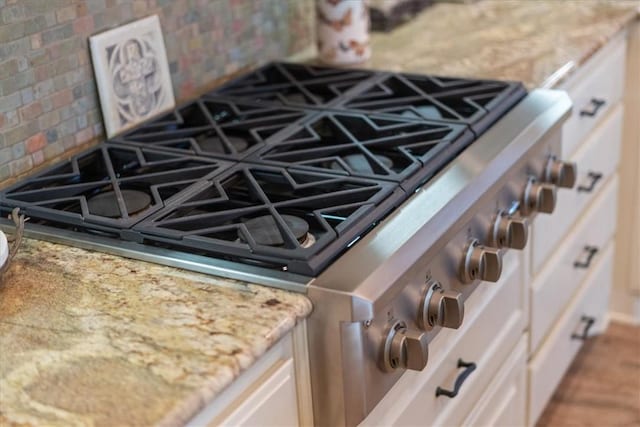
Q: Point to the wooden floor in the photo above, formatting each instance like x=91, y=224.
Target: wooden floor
x=602, y=386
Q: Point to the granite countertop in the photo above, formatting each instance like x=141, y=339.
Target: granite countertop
x=536, y=42
x=92, y=339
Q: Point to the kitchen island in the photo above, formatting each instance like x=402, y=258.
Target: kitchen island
x=88, y=338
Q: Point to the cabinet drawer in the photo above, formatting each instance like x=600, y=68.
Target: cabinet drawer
x=553, y=287
x=605, y=84
x=486, y=338
x=263, y=395
x=273, y=403
x=505, y=402
x=549, y=364
x=597, y=161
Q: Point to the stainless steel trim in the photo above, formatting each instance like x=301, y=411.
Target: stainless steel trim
x=365, y=280
x=481, y=164
x=197, y=263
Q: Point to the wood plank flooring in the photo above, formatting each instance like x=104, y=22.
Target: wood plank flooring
x=602, y=386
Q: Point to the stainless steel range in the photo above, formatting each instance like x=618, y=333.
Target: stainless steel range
x=385, y=197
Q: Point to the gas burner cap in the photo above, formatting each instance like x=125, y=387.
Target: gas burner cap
x=360, y=164
x=265, y=231
x=106, y=204
x=213, y=144
x=308, y=241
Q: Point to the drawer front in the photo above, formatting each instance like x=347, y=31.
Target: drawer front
x=593, y=97
x=485, y=339
x=504, y=403
x=549, y=364
x=265, y=394
x=273, y=403
x=597, y=161
x=575, y=258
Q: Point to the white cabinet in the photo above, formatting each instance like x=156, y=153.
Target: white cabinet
x=595, y=89
x=597, y=161
x=583, y=317
x=272, y=392
x=552, y=289
x=572, y=251
x=505, y=401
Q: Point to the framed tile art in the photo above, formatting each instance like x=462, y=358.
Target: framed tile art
x=132, y=74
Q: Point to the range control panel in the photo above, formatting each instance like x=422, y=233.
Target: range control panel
x=437, y=286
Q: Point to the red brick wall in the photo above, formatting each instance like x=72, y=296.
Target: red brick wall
x=48, y=98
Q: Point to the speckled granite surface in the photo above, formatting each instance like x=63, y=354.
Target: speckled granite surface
x=93, y=339
x=529, y=41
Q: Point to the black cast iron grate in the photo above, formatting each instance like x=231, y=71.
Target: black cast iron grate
x=285, y=167
x=476, y=103
x=218, y=219
x=218, y=128
x=137, y=181
x=293, y=84
x=369, y=146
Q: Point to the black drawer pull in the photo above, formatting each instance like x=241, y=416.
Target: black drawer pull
x=591, y=252
x=588, y=323
x=595, y=177
x=469, y=368
x=595, y=104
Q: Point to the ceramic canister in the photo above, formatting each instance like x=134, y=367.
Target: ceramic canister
x=343, y=31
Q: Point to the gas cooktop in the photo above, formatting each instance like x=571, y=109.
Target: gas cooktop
x=284, y=168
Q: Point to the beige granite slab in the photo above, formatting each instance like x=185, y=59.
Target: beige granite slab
x=93, y=339
x=536, y=42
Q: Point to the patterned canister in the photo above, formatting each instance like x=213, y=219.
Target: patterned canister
x=343, y=31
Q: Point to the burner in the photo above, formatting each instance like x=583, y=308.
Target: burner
x=212, y=143
x=106, y=204
x=265, y=230
x=423, y=111
x=309, y=241
x=360, y=164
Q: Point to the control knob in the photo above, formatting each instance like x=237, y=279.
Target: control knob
x=560, y=173
x=538, y=197
x=405, y=348
x=481, y=262
x=440, y=307
x=509, y=231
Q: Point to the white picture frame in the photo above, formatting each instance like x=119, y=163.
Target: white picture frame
x=132, y=74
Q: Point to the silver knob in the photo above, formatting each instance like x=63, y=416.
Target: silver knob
x=405, y=348
x=539, y=197
x=563, y=174
x=509, y=231
x=481, y=262
x=440, y=308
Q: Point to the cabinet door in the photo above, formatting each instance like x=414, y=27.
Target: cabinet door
x=504, y=403
x=560, y=279
x=595, y=90
x=585, y=315
x=273, y=403
x=597, y=161
x=264, y=395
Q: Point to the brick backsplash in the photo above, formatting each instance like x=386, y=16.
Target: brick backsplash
x=48, y=97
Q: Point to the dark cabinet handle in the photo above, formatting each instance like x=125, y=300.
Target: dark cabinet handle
x=588, y=323
x=595, y=104
x=595, y=177
x=591, y=252
x=469, y=368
